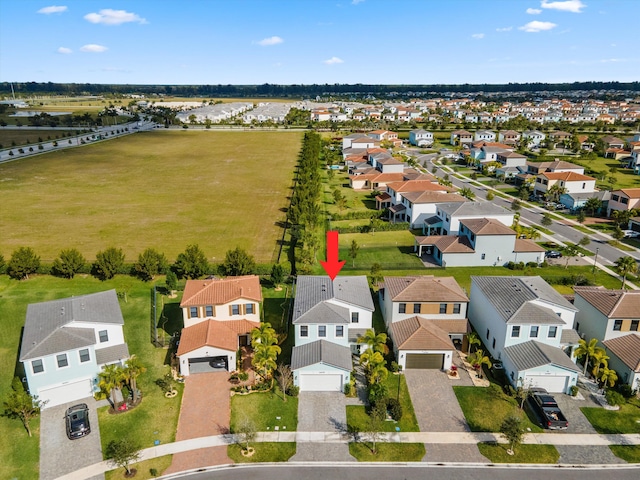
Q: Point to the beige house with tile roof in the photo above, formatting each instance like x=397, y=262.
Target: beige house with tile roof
x=624, y=358
x=571, y=182
x=624, y=199
x=605, y=314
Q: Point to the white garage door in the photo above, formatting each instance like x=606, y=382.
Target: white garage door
x=66, y=393
x=320, y=383
x=552, y=384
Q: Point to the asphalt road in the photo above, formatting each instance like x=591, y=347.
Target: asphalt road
x=607, y=254
x=408, y=472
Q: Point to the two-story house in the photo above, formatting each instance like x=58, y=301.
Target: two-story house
x=623, y=200
x=613, y=318
x=328, y=318
x=569, y=182
x=421, y=138
x=219, y=315
x=486, y=135
x=528, y=326
x=66, y=343
x=461, y=137
x=424, y=315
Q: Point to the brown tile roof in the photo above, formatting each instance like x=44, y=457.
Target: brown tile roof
x=566, y=176
x=417, y=333
x=447, y=243
x=487, y=226
x=424, y=288
x=433, y=197
x=612, y=303
x=214, y=333
x=484, y=143
x=418, y=186
x=378, y=177
x=630, y=192
x=219, y=291
x=555, y=165
x=627, y=349
x=383, y=197
x=462, y=132
x=526, y=245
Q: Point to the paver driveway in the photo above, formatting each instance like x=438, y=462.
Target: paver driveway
x=322, y=412
x=205, y=411
x=58, y=454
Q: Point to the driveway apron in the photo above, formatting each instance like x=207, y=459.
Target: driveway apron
x=205, y=411
x=58, y=454
x=322, y=412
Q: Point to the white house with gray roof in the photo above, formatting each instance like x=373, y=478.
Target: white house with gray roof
x=328, y=318
x=526, y=324
x=450, y=214
x=66, y=343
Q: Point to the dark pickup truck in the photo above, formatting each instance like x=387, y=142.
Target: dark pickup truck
x=547, y=408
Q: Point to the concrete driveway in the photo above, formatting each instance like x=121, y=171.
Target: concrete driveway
x=58, y=454
x=322, y=412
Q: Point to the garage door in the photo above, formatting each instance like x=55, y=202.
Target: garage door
x=320, y=383
x=208, y=364
x=552, y=384
x=425, y=360
x=68, y=392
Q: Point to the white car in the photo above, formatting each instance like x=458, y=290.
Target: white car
x=631, y=234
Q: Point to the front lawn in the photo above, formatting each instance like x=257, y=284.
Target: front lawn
x=264, y=452
x=629, y=453
x=387, y=452
x=486, y=408
x=266, y=410
x=497, y=453
x=358, y=420
x=145, y=470
x=625, y=420
x=392, y=250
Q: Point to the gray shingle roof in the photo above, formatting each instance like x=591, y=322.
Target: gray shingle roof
x=321, y=351
x=324, y=313
x=508, y=294
x=532, y=354
x=314, y=289
x=532, y=314
x=112, y=354
x=51, y=327
x=473, y=208
x=569, y=337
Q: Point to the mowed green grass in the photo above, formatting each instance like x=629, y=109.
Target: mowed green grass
x=162, y=189
x=21, y=137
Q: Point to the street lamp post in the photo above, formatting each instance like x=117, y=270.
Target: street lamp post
x=595, y=261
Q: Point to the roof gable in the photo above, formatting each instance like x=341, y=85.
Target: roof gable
x=627, y=349
x=426, y=288
x=218, y=291
x=214, y=333
x=532, y=354
x=321, y=351
x=417, y=333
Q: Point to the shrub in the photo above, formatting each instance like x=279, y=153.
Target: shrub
x=394, y=408
x=614, y=398
x=293, y=391
x=108, y=263
x=379, y=409
x=23, y=262
x=625, y=390
x=574, y=390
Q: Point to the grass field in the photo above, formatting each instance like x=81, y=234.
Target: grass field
x=24, y=137
x=163, y=189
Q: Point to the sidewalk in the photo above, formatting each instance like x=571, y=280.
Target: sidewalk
x=332, y=437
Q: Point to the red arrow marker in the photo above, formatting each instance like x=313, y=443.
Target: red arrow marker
x=332, y=266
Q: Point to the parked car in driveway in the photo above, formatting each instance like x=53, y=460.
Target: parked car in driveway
x=77, y=421
x=548, y=410
x=218, y=362
x=631, y=234
x=553, y=254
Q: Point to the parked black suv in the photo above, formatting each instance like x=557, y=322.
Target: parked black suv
x=77, y=419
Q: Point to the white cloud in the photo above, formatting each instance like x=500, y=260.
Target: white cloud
x=109, y=16
x=52, y=9
x=93, y=48
x=267, y=42
x=537, y=26
x=356, y=2
x=65, y=50
x=504, y=29
x=612, y=60
x=574, y=6
x=333, y=61
x=478, y=35
x=534, y=11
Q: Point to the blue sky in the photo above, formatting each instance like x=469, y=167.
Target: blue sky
x=319, y=41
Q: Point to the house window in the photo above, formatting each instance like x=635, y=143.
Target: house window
x=250, y=308
x=617, y=325
x=487, y=334
x=209, y=310
x=355, y=317
x=515, y=331
x=37, y=366
x=494, y=343
x=534, y=331
x=84, y=355
x=443, y=308
x=553, y=331
x=62, y=360
x=402, y=308
x=416, y=307
x=103, y=335
x=584, y=185
x=634, y=326
x=304, y=331
x=456, y=308
x=322, y=330
x=483, y=256
x=235, y=309
x=193, y=312
x=339, y=331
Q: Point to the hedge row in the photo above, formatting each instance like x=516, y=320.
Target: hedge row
x=384, y=227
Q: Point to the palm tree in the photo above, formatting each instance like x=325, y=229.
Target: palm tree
x=132, y=370
x=378, y=373
x=478, y=359
x=111, y=378
x=264, y=334
x=264, y=359
x=472, y=339
x=599, y=359
x=375, y=342
x=466, y=192
x=370, y=361
x=608, y=377
x=587, y=350
x=626, y=265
